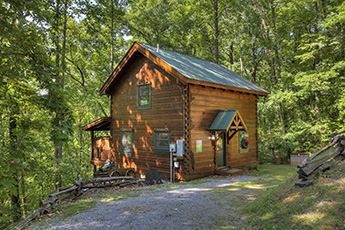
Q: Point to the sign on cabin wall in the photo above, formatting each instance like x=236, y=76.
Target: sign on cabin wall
x=244, y=142
x=199, y=146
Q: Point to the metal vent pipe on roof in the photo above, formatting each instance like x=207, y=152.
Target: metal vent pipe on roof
x=157, y=48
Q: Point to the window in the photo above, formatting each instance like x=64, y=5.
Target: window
x=162, y=141
x=127, y=142
x=144, y=96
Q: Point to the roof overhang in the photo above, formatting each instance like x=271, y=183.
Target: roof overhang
x=184, y=80
x=101, y=124
x=226, y=120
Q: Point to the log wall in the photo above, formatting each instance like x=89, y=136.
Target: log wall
x=166, y=112
x=205, y=104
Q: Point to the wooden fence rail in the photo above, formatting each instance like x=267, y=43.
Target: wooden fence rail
x=311, y=165
x=72, y=192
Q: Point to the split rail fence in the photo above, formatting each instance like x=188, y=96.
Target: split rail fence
x=72, y=192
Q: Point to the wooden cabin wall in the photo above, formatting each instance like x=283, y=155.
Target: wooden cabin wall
x=166, y=112
x=205, y=104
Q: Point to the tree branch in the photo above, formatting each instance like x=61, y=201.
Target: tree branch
x=80, y=71
x=100, y=105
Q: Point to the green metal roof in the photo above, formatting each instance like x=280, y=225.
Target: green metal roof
x=195, y=68
x=223, y=119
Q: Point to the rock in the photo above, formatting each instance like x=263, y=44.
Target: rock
x=304, y=182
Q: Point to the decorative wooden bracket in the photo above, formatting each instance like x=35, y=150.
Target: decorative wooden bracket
x=230, y=135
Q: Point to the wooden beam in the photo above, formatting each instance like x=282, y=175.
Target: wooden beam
x=236, y=128
x=230, y=136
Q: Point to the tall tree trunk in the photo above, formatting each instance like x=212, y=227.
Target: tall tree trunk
x=316, y=32
x=342, y=40
x=275, y=44
x=254, y=53
x=112, y=36
x=58, y=145
x=216, y=31
x=231, y=53
x=241, y=60
x=266, y=34
x=15, y=193
x=23, y=194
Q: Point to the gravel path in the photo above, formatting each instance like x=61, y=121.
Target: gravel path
x=206, y=205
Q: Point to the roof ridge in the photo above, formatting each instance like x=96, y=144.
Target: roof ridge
x=140, y=43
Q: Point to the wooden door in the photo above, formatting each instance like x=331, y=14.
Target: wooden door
x=221, y=152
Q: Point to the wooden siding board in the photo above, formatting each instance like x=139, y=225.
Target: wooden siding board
x=166, y=112
x=204, y=108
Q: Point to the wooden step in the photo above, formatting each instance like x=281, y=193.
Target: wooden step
x=228, y=171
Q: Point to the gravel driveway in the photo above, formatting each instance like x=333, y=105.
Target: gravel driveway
x=208, y=204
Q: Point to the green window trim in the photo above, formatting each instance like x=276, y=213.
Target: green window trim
x=129, y=137
x=141, y=102
x=159, y=139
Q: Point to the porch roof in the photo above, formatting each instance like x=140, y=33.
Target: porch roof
x=101, y=124
x=228, y=119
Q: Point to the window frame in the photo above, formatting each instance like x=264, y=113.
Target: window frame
x=157, y=149
x=121, y=136
x=148, y=106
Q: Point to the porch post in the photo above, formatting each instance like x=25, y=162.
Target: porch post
x=92, y=150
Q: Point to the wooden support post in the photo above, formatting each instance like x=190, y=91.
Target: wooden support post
x=214, y=143
x=92, y=150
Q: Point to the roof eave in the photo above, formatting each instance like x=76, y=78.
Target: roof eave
x=99, y=121
x=227, y=87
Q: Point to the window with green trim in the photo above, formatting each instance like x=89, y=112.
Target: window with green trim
x=162, y=141
x=126, y=142
x=144, y=96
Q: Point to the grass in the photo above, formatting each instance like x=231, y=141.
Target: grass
x=320, y=206
x=86, y=203
x=268, y=177
x=74, y=208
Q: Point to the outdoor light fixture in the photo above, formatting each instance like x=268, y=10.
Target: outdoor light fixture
x=212, y=137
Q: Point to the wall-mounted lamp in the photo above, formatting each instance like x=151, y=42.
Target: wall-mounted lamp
x=212, y=137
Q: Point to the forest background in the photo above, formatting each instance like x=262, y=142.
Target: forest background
x=56, y=54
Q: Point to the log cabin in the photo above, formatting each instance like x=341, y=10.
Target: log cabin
x=163, y=101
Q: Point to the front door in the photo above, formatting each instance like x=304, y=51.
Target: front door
x=221, y=150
